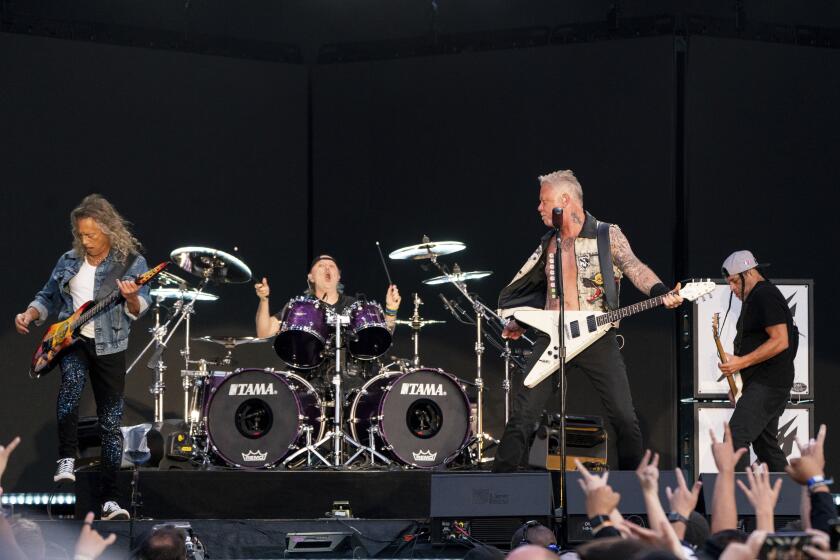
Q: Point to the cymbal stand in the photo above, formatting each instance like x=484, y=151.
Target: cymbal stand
x=415, y=329
x=480, y=437
x=158, y=387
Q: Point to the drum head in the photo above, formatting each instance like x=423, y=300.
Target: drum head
x=299, y=349
x=252, y=418
x=425, y=418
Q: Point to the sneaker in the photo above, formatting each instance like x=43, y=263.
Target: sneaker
x=111, y=511
x=65, y=470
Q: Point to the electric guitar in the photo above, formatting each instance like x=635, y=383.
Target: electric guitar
x=583, y=328
x=64, y=333
x=734, y=379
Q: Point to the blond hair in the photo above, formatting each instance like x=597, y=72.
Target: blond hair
x=564, y=180
x=95, y=207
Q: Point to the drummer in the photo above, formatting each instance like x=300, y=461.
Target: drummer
x=324, y=281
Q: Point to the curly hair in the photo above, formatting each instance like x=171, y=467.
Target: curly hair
x=113, y=225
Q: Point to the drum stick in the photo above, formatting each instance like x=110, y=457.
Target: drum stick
x=384, y=265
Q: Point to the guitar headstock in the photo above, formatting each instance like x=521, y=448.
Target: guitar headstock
x=151, y=273
x=697, y=290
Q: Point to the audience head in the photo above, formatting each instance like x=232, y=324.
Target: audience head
x=164, y=543
x=613, y=548
x=534, y=533
x=531, y=552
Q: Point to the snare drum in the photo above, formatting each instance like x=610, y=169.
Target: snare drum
x=370, y=337
x=303, y=333
x=422, y=416
x=256, y=417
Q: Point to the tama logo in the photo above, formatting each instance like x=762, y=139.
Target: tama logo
x=253, y=456
x=242, y=389
x=424, y=455
x=422, y=389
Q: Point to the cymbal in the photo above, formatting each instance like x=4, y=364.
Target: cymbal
x=167, y=279
x=419, y=324
x=212, y=264
x=176, y=293
x=231, y=342
x=426, y=249
x=458, y=277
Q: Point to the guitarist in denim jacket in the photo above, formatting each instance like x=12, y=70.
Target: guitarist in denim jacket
x=104, y=258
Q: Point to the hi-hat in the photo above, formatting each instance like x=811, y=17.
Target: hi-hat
x=177, y=293
x=167, y=279
x=458, y=277
x=419, y=324
x=231, y=342
x=212, y=264
x=427, y=250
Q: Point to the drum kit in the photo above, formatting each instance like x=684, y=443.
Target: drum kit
x=400, y=414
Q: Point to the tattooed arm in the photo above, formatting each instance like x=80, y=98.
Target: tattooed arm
x=638, y=272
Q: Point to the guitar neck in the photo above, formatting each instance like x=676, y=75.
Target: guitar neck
x=627, y=311
x=98, y=308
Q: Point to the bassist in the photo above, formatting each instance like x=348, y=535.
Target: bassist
x=103, y=258
x=584, y=288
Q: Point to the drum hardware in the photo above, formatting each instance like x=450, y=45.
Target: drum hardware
x=431, y=251
x=457, y=276
x=230, y=343
x=416, y=323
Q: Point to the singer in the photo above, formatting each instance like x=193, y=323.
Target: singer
x=586, y=286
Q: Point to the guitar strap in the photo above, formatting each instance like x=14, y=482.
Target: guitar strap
x=605, y=262
x=116, y=273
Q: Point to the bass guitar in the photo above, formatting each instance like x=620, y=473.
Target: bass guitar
x=583, y=328
x=64, y=333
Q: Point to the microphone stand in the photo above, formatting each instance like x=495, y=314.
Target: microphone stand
x=557, y=222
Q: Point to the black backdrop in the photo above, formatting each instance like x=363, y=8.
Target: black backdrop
x=223, y=152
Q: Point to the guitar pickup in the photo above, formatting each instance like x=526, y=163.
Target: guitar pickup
x=574, y=329
x=591, y=324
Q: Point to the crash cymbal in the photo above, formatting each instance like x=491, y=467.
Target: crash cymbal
x=231, y=341
x=458, y=277
x=419, y=324
x=212, y=264
x=168, y=280
x=427, y=249
x=177, y=293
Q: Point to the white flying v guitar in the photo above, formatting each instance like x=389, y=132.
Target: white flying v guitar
x=583, y=328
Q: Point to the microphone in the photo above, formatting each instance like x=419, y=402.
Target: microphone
x=448, y=305
x=557, y=218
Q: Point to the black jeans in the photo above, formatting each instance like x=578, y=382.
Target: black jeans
x=107, y=379
x=604, y=366
x=756, y=421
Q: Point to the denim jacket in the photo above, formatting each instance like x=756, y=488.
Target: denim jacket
x=112, y=326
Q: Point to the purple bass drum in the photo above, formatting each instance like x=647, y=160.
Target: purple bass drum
x=303, y=333
x=422, y=417
x=256, y=417
x=369, y=336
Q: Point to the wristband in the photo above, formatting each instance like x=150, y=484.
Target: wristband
x=391, y=312
x=673, y=517
x=598, y=521
x=816, y=481
x=659, y=289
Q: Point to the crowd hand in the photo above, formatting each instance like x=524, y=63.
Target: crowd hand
x=661, y=536
x=803, y=468
x=5, y=452
x=673, y=299
x=761, y=494
x=726, y=457
x=392, y=297
x=91, y=544
x=745, y=551
x=683, y=500
x=512, y=330
x=820, y=547
x=262, y=289
x=589, y=481
x=648, y=472
x=815, y=447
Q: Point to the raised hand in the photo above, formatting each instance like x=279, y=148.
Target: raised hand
x=5, y=452
x=661, y=535
x=91, y=544
x=745, y=551
x=392, y=298
x=512, y=330
x=683, y=500
x=648, y=472
x=262, y=289
x=726, y=457
x=814, y=447
x=761, y=495
x=803, y=468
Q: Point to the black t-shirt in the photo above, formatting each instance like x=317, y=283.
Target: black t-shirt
x=766, y=306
